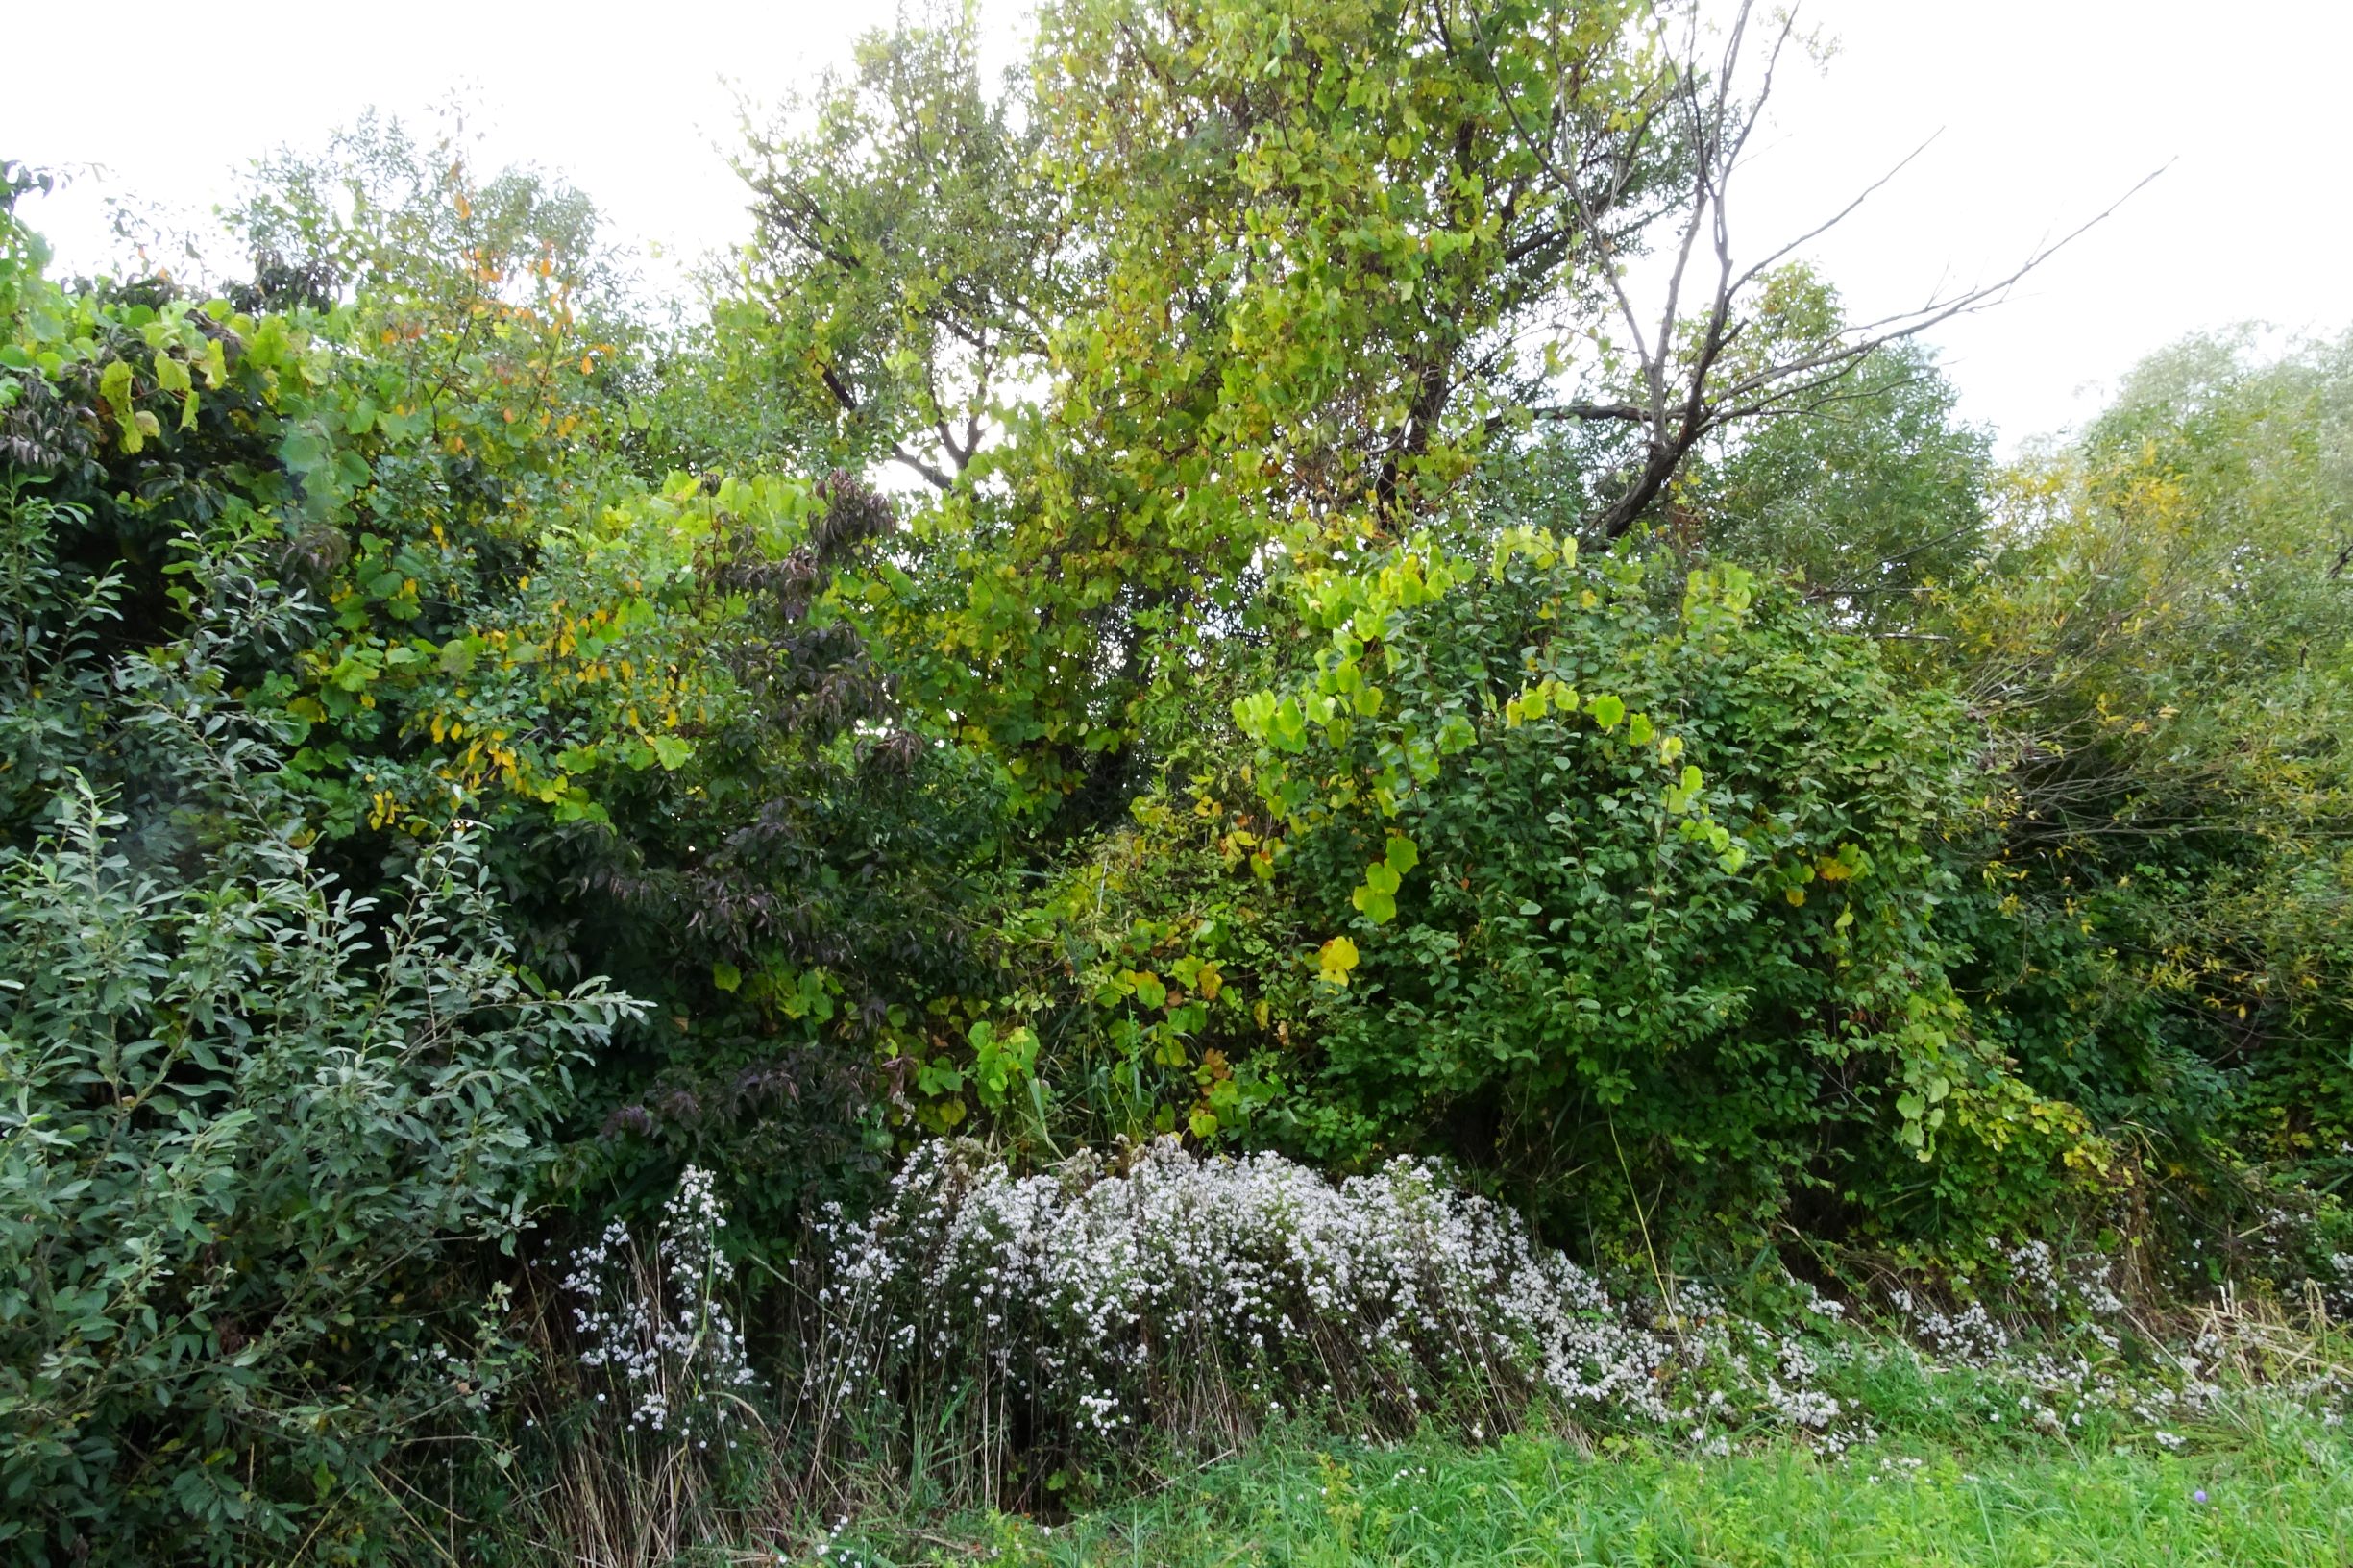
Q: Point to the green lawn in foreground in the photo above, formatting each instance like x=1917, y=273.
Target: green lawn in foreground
x=2281, y=1497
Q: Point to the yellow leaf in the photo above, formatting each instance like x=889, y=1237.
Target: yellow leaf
x=1334, y=959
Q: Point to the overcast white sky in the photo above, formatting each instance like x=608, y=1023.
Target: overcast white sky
x=2048, y=109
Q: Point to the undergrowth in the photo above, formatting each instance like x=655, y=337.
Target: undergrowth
x=2281, y=1493
x=994, y=1348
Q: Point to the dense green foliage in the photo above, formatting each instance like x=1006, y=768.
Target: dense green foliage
x=1873, y=500
x=1689, y=922
x=2159, y=648
x=1096, y=628
x=249, y=1115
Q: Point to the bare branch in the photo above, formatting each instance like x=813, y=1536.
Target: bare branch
x=1680, y=356
x=1592, y=411
x=1910, y=323
x=931, y=473
x=1841, y=215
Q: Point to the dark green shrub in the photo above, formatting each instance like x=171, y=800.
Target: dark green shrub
x=1647, y=917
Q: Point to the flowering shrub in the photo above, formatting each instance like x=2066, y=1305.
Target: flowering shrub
x=1084, y=1309
x=658, y=1326
x=982, y=1336
x=664, y=1441
x=1072, y=1317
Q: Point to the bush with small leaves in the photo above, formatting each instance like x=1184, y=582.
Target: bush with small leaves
x=249, y=1121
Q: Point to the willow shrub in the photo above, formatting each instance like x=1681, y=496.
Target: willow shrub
x=248, y=1119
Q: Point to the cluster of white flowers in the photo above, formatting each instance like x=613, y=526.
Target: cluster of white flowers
x=2034, y=1270
x=2081, y=1285
x=2337, y=1290
x=1175, y=1286
x=831, y=1552
x=658, y=1324
x=2059, y=1378
x=1177, y=1293
x=1969, y=1336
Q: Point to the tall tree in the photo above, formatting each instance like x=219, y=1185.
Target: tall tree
x=1256, y=283
x=910, y=264
x=1874, y=498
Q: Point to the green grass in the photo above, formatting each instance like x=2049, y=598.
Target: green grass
x=2278, y=1495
